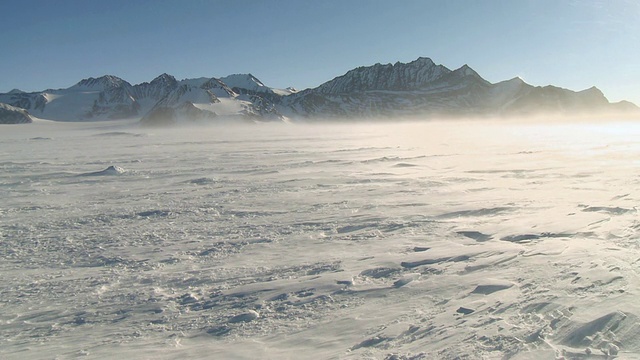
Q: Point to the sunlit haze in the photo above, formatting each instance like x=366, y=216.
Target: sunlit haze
x=571, y=44
x=199, y=203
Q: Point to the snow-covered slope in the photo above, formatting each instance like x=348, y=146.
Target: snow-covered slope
x=207, y=100
x=109, y=97
x=247, y=83
x=13, y=115
x=106, y=97
x=157, y=89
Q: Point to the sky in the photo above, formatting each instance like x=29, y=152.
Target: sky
x=568, y=43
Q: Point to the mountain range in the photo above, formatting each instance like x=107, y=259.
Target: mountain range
x=419, y=88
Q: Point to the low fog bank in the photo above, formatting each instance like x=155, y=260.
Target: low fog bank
x=537, y=117
x=408, y=126
x=528, y=117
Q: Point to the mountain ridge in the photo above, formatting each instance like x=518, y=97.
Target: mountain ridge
x=446, y=93
x=417, y=88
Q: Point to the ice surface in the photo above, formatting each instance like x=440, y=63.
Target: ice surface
x=431, y=241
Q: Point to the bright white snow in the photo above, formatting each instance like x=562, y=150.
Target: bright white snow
x=432, y=241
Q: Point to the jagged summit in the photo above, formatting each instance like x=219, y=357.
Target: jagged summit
x=463, y=75
x=466, y=70
x=164, y=78
x=594, y=90
x=155, y=90
x=248, y=79
x=102, y=83
x=514, y=80
x=421, y=88
x=595, y=96
x=392, y=77
x=218, y=88
x=421, y=61
x=245, y=81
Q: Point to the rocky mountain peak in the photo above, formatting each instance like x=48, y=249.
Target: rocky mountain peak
x=165, y=80
x=397, y=77
x=102, y=83
x=245, y=82
x=417, y=88
x=218, y=87
x=465, y=73
x=420, y=62
x=516, y=80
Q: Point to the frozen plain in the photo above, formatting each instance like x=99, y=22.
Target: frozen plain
x=440, y=240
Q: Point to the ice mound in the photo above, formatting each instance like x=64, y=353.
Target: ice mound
x=119, y=133
x=110, y=171
x=245, y=317
x=202, y=181
x=41, y=138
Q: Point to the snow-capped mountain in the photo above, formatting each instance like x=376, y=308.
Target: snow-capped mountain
x=164, y=99
x=13, y=115
x=422, y=88
x=207, y=100
x=106, y=82
x=157, y=89
x=106, y=97
x=418, y=88
x=247, y=83
x=415, y=75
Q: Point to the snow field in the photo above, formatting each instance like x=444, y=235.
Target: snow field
x=437, y=240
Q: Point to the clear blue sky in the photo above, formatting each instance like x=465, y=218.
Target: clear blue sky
x=569, y=43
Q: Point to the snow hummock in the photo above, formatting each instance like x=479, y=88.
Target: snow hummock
x=110, y=171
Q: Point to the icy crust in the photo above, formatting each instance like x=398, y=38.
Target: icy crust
x=508, y=241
